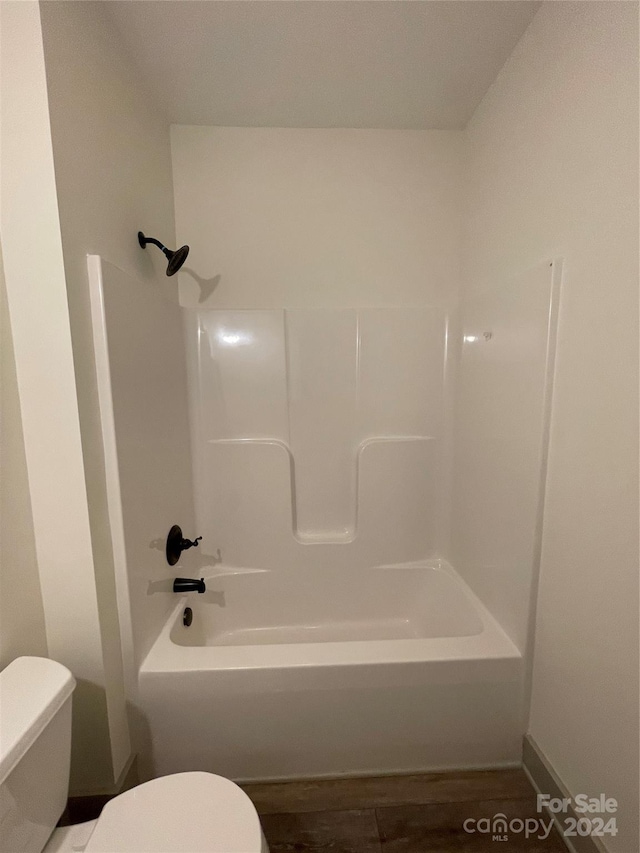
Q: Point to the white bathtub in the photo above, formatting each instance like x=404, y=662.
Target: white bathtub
x=382, y=670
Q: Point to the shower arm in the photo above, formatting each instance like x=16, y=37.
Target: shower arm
x=151, y=240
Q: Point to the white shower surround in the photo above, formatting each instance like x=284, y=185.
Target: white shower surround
x=382, y=670
x=318, y=435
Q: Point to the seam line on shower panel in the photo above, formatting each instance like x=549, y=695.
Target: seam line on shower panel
x=287, y=385
x=355, y=470
x=287, y=369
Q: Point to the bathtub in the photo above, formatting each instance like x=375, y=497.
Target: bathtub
x=290, y=675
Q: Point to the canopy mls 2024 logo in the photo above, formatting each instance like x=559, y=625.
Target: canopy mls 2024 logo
x=580, y=815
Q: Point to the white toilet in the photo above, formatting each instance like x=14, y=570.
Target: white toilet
x=190, y=812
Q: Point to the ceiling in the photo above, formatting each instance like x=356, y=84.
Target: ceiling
x=321, y=63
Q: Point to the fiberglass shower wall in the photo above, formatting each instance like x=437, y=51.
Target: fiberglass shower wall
x=503, y=410
x=319, y=427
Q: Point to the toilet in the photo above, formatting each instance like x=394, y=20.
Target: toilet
x=187, y=812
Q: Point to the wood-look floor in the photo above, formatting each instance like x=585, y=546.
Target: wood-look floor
x=398, y=814
x=385, y=814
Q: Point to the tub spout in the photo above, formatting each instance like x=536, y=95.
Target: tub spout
x=189, y=585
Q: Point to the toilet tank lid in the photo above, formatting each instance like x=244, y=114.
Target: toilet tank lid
x=32, y=690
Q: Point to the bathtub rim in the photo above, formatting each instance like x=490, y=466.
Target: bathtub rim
x=492, y=643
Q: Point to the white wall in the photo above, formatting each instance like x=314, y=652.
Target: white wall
x=22, y=629
x=553, y=172
x=40, y=327
x=113, y=176
x=318, y=218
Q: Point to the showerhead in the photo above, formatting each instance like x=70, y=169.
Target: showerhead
x=175, y=259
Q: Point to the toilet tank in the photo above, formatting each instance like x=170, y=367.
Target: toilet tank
x=35, y=751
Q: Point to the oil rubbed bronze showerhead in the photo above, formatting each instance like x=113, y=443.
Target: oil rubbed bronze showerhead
x=175, y=259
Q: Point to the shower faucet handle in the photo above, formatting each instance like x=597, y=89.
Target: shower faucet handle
x=176, y=544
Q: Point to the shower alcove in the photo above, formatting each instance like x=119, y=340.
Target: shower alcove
x=317, y=451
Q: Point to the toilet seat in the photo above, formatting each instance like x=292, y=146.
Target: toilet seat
x=182, y=813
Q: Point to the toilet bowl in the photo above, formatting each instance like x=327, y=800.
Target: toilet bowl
x=183, y=813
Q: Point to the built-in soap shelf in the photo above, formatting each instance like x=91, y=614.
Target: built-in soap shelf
x=365, y=455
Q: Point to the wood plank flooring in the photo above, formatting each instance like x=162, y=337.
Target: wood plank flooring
x=378, y=791
x=399, y=814
x=386, y=814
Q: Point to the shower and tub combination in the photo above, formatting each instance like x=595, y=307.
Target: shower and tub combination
x=352, y=471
